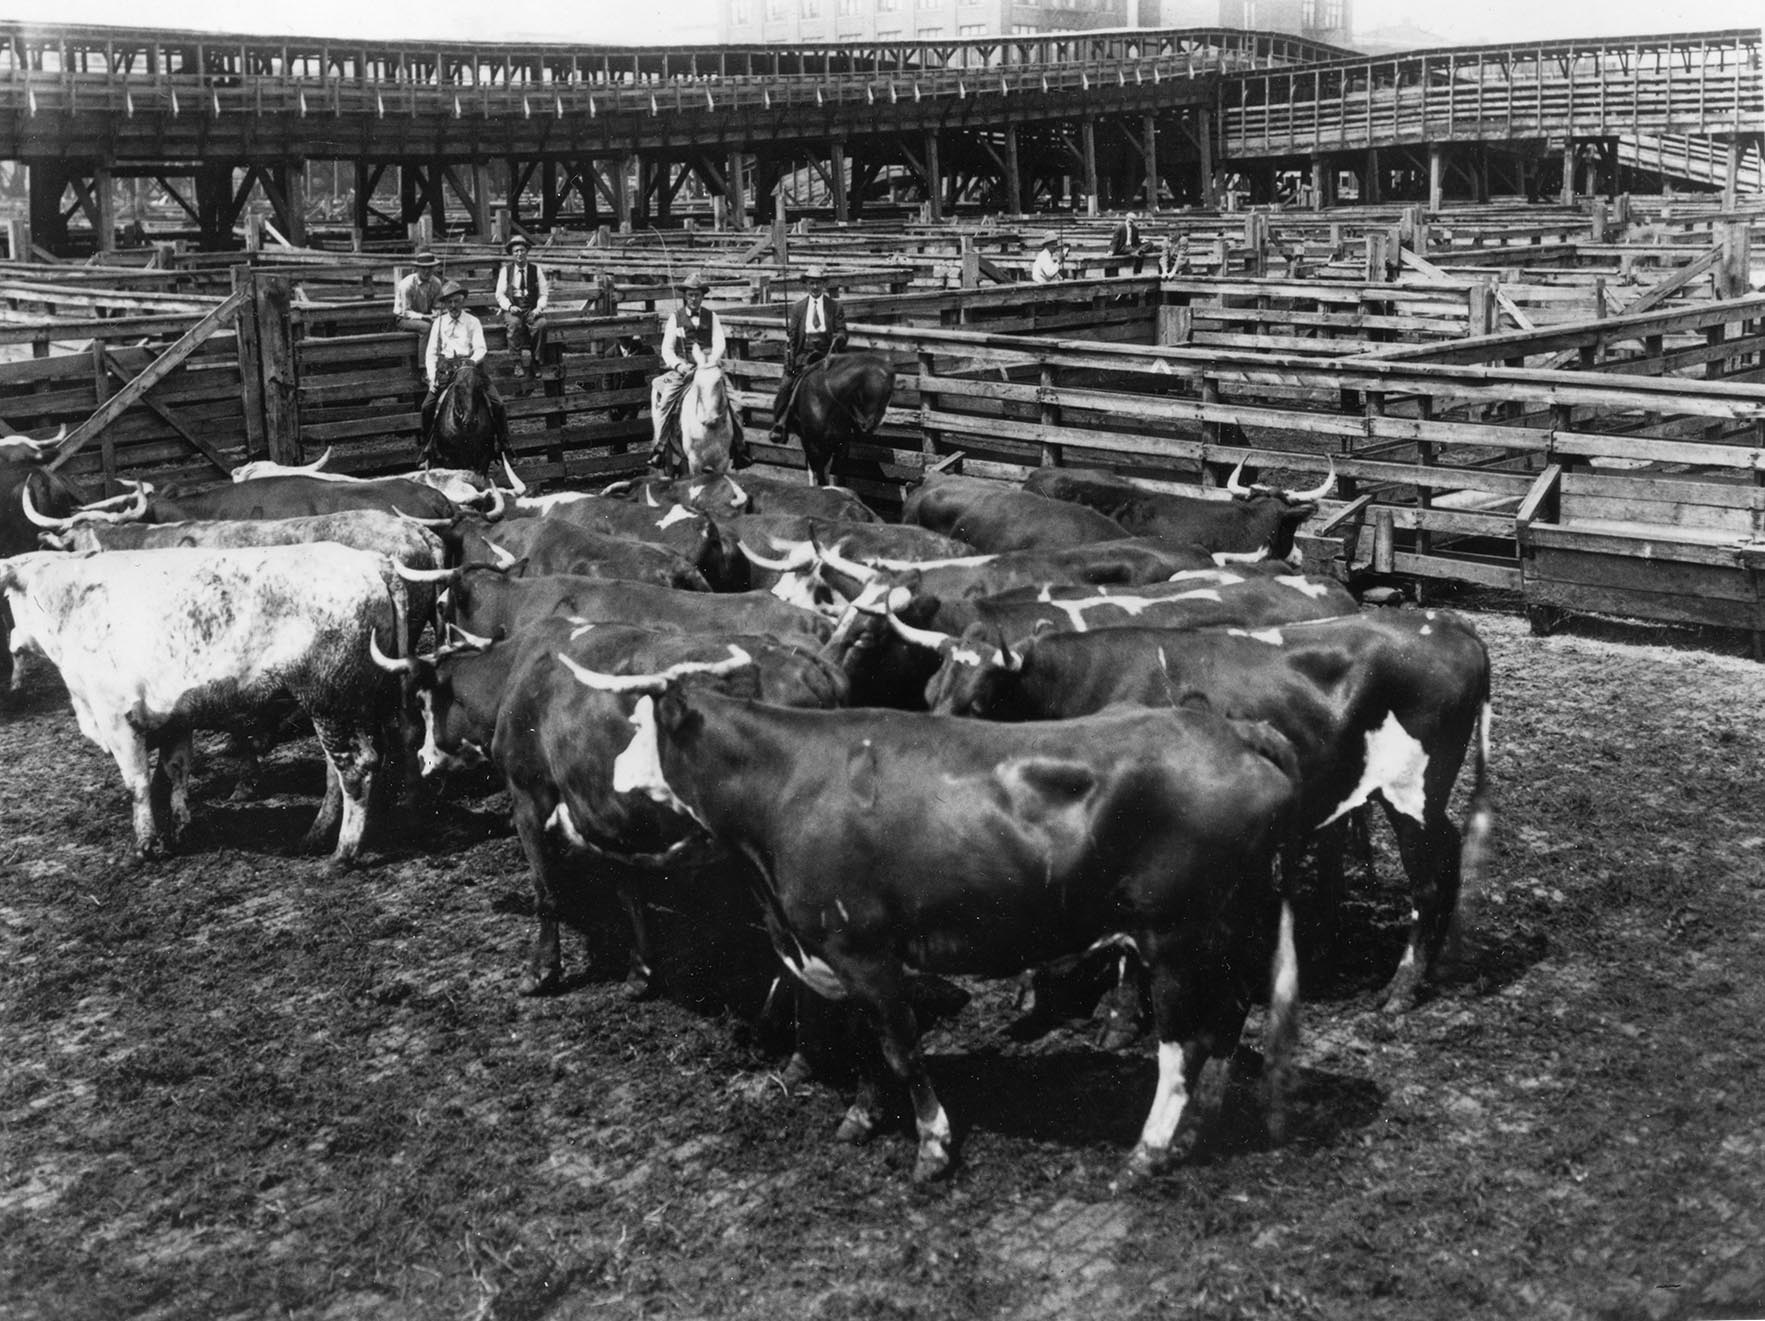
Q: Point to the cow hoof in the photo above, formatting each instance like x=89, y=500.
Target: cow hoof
x=335, y=867
x=856, y=1127
x=640, y=987
x=1144, y=1163
x=540, y=983
x=798, y=1072
x=1401, y=996
x=932, y=1164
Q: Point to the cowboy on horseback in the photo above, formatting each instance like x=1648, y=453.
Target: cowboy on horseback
x=815, y=327
x=692, y=326
x=455, y=338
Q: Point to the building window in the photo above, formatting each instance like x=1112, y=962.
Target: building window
x=777, y=9
x=888, y=6
x=1320, y=14
x=811, y=8
x=850, y=7
x=972, y=30
x=931, y=4
x=741, y=11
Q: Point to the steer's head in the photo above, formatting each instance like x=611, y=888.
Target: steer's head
x=976, y=668
x=453, y=698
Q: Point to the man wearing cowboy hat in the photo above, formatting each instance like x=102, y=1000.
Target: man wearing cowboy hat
x=1050, y=260
x=456, y=337
x=521, y=293
x=814, y=328
x=690, y=326
x=417, y=297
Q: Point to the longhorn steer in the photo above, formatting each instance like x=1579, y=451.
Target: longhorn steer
x=1382, y=705
x=22, y=477
x=560, y=746
x=994, y=518
x=748, y=494
x=155, y=644
x=549, y=546
x=684, y=531
x=295, y=497
x=886, y=840
x=891, y=639
x=493, y=605
x=1259, y=516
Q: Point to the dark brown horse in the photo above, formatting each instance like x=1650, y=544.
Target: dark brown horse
x=470, y=428
x=838, y=400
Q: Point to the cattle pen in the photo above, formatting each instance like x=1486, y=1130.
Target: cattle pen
x=1573, y=412
x=238, y=1084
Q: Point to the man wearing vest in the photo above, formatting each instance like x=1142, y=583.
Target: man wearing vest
x=690, y=326
x=417, y=297
x=456, y=337
x=521, y=293
x=814, y=328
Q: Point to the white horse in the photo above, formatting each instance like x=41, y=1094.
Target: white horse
x=707, y=426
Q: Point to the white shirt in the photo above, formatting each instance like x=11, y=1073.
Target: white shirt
x=816, y=321
x=454, y=337
x=1047, y=267
x=511, y=279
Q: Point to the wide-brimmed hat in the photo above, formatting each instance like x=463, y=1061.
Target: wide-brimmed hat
x=815, y=273
x=1050, y=239
x=519, y=241
x=451, y=288
x=693, y=280
x=426, y=259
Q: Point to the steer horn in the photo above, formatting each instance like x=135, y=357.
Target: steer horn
x=800, y=558
x=1317, y=492
x=411, y=575
x=919, y=637
x=655, y=683
x=864, y=573
x=433, y=524
x=740, y=498
x=1235, y=485
x=392, y=665
x=516, y=485
x=41, y=519
x=90, y=513
x=619, y=488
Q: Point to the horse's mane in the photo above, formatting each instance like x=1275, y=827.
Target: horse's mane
x=470, y=383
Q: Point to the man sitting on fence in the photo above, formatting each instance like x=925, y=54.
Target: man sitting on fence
x=1050, y=261
x=417, y=297
x=814, y=328
x=691, y=326
x=456, y=337
x=1127, y=241
x=521, y=293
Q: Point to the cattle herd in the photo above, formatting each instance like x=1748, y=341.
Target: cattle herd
x=1014, y=730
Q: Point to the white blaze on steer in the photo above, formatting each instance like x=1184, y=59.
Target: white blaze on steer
x=562, y=822
x=678, y=514
x=1129, y=605
x=1272, y=636
x=1224, y=577
x=1396, y=765
x=1304, y=585
x=503, y=557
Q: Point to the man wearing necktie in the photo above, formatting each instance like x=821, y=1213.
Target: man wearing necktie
x=521, y=293
x=1127, y=241
x=814, y=328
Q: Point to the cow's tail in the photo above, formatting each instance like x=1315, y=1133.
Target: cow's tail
x=1281, y=1026
x=1479, y=822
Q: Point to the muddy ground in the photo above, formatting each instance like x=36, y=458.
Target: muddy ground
x=233, y=1086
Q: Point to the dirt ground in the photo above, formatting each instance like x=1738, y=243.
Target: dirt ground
x=232, y=1086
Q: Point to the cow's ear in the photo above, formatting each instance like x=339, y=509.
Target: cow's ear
x=673, y=713
x=1044, y=626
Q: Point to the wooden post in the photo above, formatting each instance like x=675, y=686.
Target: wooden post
x=934, y=179
x=1731, y=176
x=1371, y=191
x=1051, y=454
x=738, y=189
x=1597, y=222
x=971, y=272
x=623, y=168
x=840, y=184
x=1319, y=199
x=101, y=391
x=1204, y=167
x=248, y=354
x=1149, y=133
x=293, y=179
x=275, y=334
x=104, y=210
x=1436, y=177
x=780, y=243
x=1569, y=172
x=1483, y=314
x=1013, y=174
x=1088, y=141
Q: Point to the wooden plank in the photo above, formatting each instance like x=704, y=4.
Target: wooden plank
x=162, y=366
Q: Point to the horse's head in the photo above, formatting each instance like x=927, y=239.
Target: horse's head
x=706, y=428
x=710, y=388
x=466, y=394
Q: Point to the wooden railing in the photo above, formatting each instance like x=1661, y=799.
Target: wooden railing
x=1699, y=83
